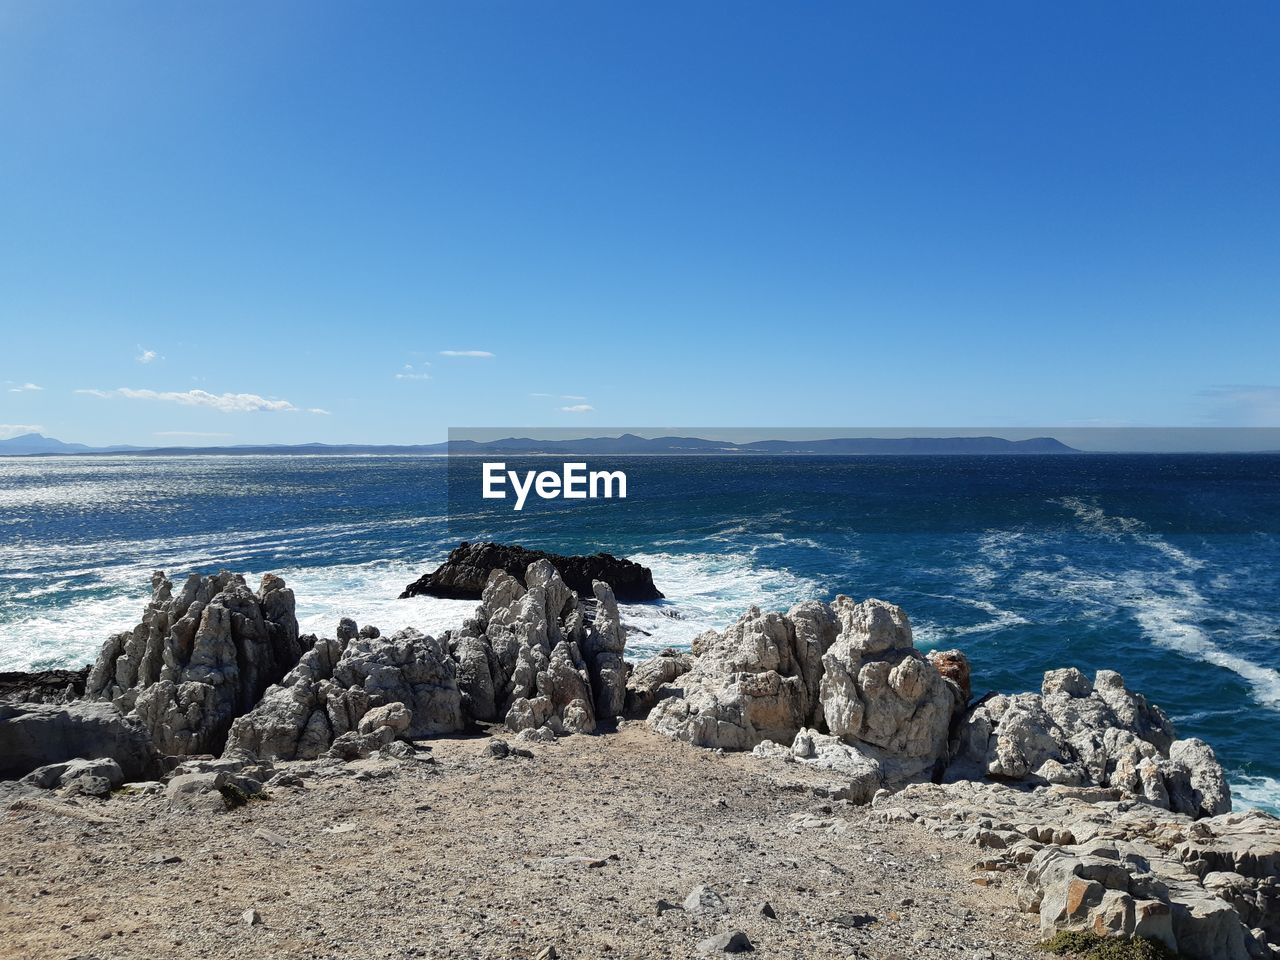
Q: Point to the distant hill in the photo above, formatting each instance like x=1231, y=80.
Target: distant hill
x=34, y=444
x=30, y=444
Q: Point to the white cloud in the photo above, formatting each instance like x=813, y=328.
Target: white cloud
x=541, y=396
x=319, y=411
x=478, y=354
x=224, y=402
x=8, y=430
x=1244, y=405
x=25, y=387
x=579, y=408
x=570, y=396
x=146, y=356
x=408, y=372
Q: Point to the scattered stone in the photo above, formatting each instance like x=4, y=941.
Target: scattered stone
x=853, y=921
x=251, y=917
x=702, y=899
x=733, y=942
x=270, y=837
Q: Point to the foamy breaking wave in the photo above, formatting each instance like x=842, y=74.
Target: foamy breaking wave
x=368, y=592
x=69, y=635
x=1166, y=603
x=1169, y=621
x=706, y=591
x=932, y=635
x=1255, y=792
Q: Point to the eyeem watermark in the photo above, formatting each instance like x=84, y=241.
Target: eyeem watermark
x=573, y=482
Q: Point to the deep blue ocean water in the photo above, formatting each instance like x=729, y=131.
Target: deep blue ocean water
x=1164, y=567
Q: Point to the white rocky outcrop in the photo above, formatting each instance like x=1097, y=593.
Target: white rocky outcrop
x=1082, y=732
x=842, y=684
x=353, y=695
x=532, y=657
x=1097, y=859
x=199, y=658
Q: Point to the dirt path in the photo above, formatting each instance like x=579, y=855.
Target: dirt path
x=481, y=857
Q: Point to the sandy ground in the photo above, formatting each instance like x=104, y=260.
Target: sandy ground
x=473, y=856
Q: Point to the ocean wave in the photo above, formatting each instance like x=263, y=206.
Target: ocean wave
x=1094, y=518
x=1251, y=791
x=930, y=635
x=71, y=633
x=1165, y=601
x=1169, y=621
x=707, y=591
x=369, y=594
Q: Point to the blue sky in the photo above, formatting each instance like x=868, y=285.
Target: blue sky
x=285, y=222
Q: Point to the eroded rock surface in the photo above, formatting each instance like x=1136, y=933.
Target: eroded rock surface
x=353, y=695
x=199, y=658
x=1082, y=732
x=837, y=685
x=530, y=656
x=36, y=735
x=1098, y=859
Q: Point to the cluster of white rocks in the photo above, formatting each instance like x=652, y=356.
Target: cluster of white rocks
x=1108, y=861
x=1078, y=732
x=198, y=659
x=1112, y=823
x=840, y=686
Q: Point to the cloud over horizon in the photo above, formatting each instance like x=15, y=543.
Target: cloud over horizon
x=475, y=354
x=579, y=408
x=223, y=402
x=8, y=430
x=25, y=387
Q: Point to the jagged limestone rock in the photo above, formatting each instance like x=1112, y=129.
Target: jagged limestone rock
x=848, y=669
x=199, y=659
x=364, y=691
x=1078, y=732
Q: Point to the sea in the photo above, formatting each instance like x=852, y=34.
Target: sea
x=1163, y=567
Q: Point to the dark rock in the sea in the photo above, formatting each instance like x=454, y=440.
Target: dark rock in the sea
x=34, y=735
x=43, y=686
x=463, y=575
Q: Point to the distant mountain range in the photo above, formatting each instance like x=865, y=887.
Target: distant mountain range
x=35, y=444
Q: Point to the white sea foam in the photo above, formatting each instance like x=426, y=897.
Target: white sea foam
x=1255, y=792
x=1169, y=620
x=706, y=591
x=931, y=635
x=1166, y=603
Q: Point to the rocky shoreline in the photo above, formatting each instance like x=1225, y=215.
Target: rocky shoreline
x=1074, y=808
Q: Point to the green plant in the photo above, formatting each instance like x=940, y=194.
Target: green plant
x=1090, y=946
x=234, y=796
